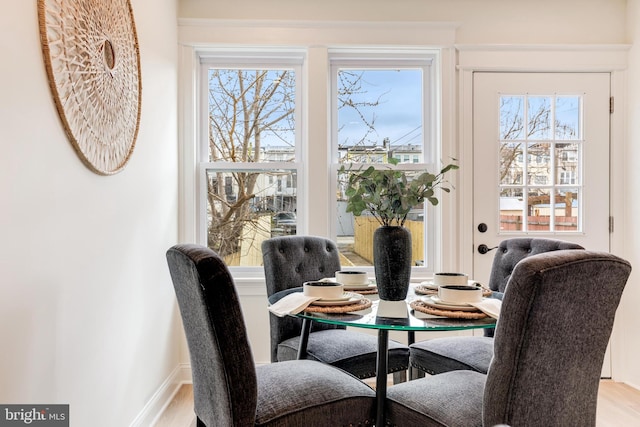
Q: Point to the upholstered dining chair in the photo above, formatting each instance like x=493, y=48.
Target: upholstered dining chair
x=228, y=389
x=556, y=319
x=445, y=354
x=289, y=261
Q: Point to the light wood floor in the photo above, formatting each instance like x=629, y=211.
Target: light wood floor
x=618, y=406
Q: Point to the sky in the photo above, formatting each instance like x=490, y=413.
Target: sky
x=398, y=115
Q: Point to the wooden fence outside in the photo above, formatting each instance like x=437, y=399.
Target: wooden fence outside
x=363, y=238
x=253, y=234
x=538, y=223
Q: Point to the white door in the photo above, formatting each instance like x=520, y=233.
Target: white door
x=540, y=160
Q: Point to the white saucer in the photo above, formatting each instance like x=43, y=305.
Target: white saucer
x=345, y=296
x=346, y=299
x=371, y=283
x=363, y=287
x=430, y=285
x=435, y=302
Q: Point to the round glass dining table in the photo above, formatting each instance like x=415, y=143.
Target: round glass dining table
x=383, y=316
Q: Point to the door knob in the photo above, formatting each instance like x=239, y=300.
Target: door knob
x=483, y=249
x=482, y=227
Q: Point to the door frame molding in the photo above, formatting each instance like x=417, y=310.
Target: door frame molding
x=611, y=59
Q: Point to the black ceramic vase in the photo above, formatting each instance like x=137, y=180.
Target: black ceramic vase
x=392, y=262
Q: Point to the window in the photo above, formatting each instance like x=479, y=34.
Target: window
x=382, y=106
x=256, y=161
x=541, y=139
x=249, y=152
x=567, y=177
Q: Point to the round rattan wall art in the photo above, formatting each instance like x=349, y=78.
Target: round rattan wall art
x=92, y=59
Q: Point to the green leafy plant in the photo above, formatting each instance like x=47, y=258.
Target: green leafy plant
x=389, y=194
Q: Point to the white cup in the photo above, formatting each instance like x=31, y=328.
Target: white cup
x=351, y=278
x=324, y=290
x=440, y=279
x=459, y=294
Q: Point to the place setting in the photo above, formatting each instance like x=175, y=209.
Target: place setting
x=454, y=295
x=354, y=281
x=331, y=297
x=320, y=296
x=430, y=287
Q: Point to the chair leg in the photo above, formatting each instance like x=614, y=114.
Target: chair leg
x=415, y=373
x=399, y=377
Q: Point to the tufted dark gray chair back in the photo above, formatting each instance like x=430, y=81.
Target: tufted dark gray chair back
x=556, y=319
x=289, y=261
x=539, y=378
x=511, y=251
x=229, y=390
x=224, y=378
x=451, y=353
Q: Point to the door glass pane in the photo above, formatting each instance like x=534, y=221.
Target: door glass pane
x=539, y=209
x=567, y=171
x=567, y=204
x=539, y=163
x=511, y=209
x=538, y=117
x=511, y=117
x=549, y=169
x=511, y=163
x=567, y=117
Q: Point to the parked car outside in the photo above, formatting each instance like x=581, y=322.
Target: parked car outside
x=285, y=221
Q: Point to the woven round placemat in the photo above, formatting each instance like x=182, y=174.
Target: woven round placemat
x=424, y=290
x=360, y=305
x=424, y=308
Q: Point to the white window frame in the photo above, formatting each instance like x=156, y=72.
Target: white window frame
x=428, y=60
x=203, y=40
x=262, y=58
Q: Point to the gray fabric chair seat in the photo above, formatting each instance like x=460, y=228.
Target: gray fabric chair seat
x=452, y=399
x=349, y=351
x=307, y=393
x=452, y=353
x=228, y=390
x=549, y=346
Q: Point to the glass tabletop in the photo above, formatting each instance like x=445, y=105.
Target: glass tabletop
x=391, y=315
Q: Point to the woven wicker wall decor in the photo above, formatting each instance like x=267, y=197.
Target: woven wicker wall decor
x=92, y=58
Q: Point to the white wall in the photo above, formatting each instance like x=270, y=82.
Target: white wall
x=481, y=21
x=87, y=309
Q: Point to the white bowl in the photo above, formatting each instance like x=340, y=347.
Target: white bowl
x=440, y=279
x=350, y=278
x=324, y=290
x=459, y=294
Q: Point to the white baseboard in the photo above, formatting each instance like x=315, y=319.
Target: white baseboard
x=163, y=396
x=633, y=385
x=156, y=406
